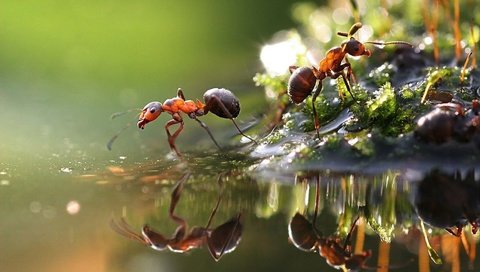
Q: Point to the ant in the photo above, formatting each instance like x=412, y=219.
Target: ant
x=219, y=101
x=306, y=237
x=303, y=80
x=220, y=240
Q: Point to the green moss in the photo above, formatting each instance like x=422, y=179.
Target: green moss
x=364, y=145
x=274, y=84
x=383, y=106
x=333, y=141
x=381, y=75
x=327, y=109
x=407, y=93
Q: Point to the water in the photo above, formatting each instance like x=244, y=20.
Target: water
x=65, y=68
x=59, y=218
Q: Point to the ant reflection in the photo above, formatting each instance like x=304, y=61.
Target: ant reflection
x=449, y=201
x=305, y=236
x=219, y=240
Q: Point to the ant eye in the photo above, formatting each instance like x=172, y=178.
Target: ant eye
x=152, y=110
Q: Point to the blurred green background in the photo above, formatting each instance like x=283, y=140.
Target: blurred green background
x=65, y=66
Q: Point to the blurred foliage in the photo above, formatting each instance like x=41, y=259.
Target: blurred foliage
x=393, y=80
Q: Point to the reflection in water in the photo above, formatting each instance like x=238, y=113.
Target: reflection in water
x=449, y=201
x=305, y=236
x=354, y=222
x=220, y=240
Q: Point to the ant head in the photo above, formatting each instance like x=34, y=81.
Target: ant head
x=355, y=48
x=149, y=113
x=222, y=103
x=155, y=239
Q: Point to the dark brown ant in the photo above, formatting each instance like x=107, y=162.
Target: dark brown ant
x=449, y=121
x=307, y=80
x=435, y=205
x=305, y=236
x=219, y=101
x=219, y=240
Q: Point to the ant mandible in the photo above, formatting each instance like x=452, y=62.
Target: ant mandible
x=219, y=101
x=303, y=80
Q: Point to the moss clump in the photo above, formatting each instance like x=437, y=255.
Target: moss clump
x=376, y=111
x=381, y=75
x=275, y=86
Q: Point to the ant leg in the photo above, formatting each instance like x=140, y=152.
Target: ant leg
x=348, y=86
x=345, y=81
x=180, y=93
x=227, y=113
x=316, y=92
x=214, y=211
x=350, y=74
x=458, y=233
x=171, y=138
x=207, y=129
x=317, y=197
x=176, y=193
x=229, y=240
x=349, y=235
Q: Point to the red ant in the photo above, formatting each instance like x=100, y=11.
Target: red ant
x=305, y=236
x=220, y=102
x=220, y=240
x=303, y=80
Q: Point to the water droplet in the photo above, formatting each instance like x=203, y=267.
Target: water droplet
x=122, y=157
x=67, y=170
x=35, y=207
x=3, y=173
x=4, y=182
x=73, y=207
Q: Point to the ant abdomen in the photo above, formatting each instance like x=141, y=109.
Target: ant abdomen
x=216, y=97
x=301, y=84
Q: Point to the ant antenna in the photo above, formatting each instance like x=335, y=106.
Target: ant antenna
x=125, y=230
x=389, y=43
x=117, y=114
x=355, y=27
x=110, y=142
